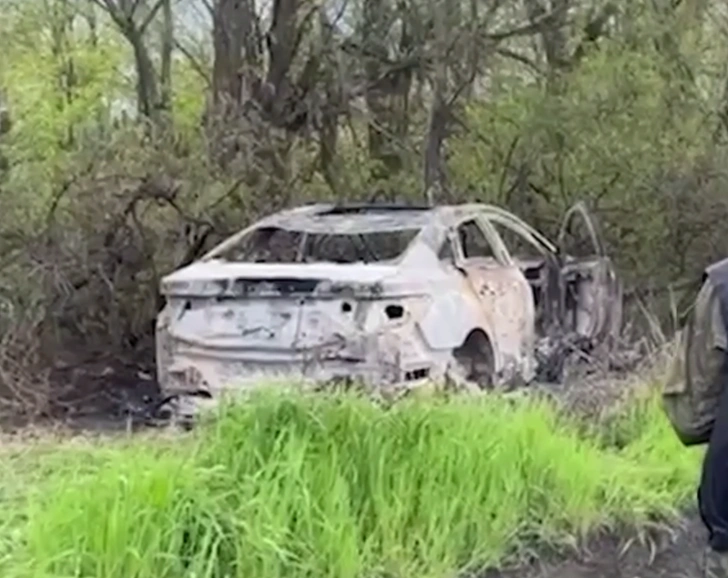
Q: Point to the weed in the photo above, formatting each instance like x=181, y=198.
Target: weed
x=340, y=487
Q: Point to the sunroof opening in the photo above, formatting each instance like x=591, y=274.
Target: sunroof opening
x=372, y=208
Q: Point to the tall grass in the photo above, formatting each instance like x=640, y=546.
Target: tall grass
x=338, y=487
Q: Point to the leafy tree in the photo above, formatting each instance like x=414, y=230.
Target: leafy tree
x=136, y=133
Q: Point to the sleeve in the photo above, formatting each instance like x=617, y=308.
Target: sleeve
x=717, y=326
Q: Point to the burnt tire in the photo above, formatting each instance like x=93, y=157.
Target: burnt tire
x=476, y=360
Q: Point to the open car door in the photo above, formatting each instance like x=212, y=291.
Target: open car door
x=593, y=292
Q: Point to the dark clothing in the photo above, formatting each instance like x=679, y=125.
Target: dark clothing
x=692, y=392
x=713, y=490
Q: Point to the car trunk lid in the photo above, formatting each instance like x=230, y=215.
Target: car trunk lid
x=233, y=306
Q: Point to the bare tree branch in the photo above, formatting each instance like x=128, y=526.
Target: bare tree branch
x=210, y=8
x=537, y=25
x=194, y=62
x=513, y=55
x=150, y=17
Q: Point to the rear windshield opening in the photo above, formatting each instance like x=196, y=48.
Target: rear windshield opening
x=274, y=245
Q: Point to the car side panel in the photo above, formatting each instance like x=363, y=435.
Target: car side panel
x=506, y=304
x=452, y=316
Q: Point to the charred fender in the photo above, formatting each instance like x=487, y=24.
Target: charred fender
x=448, y=324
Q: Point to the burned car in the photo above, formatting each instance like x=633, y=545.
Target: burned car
x=388, y=295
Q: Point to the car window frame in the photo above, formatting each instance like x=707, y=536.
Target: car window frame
x=500, y=252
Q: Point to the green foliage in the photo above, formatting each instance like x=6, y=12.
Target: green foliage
x=188, y=101
x=340, y=487
x=618, y=126
x=59, y=88
x=631, y=127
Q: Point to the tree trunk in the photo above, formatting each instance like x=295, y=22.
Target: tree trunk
x=5, y=126
x=133, y=26
x=331, y=106
x=166, y=66
x=553, y=39
x=61, y=28
x=147, y=89
x=282, y=43
x=437, y=126
x=229, y=26
x=387, y=91
x=248, y=109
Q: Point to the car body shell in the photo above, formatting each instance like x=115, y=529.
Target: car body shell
x=455, y=303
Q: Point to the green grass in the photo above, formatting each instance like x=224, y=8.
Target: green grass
x=336, y=487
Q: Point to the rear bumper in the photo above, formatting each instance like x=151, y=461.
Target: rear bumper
x=203, y=376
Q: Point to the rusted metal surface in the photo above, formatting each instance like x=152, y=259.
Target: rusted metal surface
x=391, y=297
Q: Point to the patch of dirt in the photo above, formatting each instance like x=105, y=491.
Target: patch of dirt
x=98, y=393
x=668, y=554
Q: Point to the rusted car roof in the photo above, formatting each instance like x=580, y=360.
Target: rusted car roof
x=363, y=218
x=348, y=219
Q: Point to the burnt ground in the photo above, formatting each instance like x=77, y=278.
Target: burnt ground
x=100, y=394
x=103, y=392
x=677, y=553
